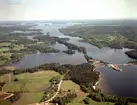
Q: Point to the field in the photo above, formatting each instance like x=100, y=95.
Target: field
x=32, y=85
x=9, y=47
x=28, y=98
x=6, y=78
x=2, y=62
x=4, y=49
x=69, y=85
x=32, y=82
x=2, y=44
x=66, y=85
x=6, y=52
x=79, y=99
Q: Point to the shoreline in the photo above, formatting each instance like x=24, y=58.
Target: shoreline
x=97, y=82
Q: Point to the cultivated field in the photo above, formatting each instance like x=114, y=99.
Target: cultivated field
x=32, y=85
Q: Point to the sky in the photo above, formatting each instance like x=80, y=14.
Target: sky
x=67, y=9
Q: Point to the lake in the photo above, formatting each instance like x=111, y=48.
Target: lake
x=113, y=82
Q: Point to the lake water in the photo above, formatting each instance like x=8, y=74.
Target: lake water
x=113, y=82
x=119, y=83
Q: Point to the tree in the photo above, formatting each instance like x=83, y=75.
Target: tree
x=55, y=79
x=122, y=101
x=16, y=79
x=82, y=87
x=97, y=97
x=86, y=100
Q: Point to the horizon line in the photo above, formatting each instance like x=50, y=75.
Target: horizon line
x=69, y=20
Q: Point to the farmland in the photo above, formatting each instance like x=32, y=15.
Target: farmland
x=32, y=86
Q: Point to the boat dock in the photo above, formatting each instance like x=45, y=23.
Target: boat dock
x=99, y=63
x=114, y=66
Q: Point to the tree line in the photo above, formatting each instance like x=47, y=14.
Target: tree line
x=64, y=100
x=81, y=74
x=96, y=95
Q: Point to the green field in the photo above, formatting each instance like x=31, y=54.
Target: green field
x=31, y=81
x=66, y=85
x=79, y=99
x=2, y=62
x=6, y=77
x=4, y=44
x=69, y=85
x=4, y=57
x=4, y=49
x=32, y=85
x=28, y=98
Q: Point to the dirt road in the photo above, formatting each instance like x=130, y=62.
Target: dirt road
x=49, y=100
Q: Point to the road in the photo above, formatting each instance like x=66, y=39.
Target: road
x=49, y=100
x=59, y=86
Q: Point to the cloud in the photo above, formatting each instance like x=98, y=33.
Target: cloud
x=67, y=9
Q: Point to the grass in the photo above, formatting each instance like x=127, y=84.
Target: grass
x=32, y=85
x=30, y=81
x=18, y=47
x=106, y=39
x=6, y=77
x=4, y=49
x=66, y=85
x=4, y=55
x=36, y=82
x=2, y=62
x=28, y=98
x=79, y=101
x=4, y=44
